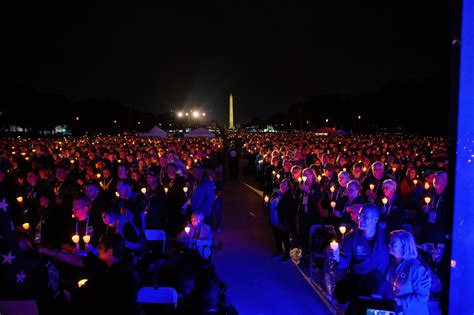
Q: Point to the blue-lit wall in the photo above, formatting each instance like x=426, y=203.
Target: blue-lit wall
x=462, y=275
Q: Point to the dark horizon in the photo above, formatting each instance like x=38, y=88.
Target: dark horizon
x=270, y=57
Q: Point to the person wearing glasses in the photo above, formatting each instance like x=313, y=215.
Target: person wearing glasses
x=391, y=207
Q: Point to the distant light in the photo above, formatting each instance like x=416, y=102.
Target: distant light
x=139, y=123
x=195, y=114
x=307, y=121
x=290, y=124
x=204, y=114
x=77, y=117
x=359, y=117
x=327, y=120
x=115, y=121
x=180, y=114
x=187, y=114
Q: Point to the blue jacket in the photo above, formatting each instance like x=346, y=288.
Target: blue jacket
x=358, y=254
x=203, y=197
x=410, y=282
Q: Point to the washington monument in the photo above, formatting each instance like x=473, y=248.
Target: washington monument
x=231, y=112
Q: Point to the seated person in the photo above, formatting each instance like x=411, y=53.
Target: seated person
x=113, y=284
x=118, y=223
x=198, y=233
x=409, y=280
x=364, y=253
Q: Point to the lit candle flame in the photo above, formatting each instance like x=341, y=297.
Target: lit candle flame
x=19, y=199
x=278, y=176
x=333, y=204
x=166, y=190
x=384, y=200
x=415, y=181
x=117, y=194
x=273, y=172
x=266, y=199
x=26, y=226
x=72, y=161
x=185, y=189
x=319, y=178
x=364, y=169
x=75, y=238
x=187, y=229
x=80, y=283
x=427, y=200
x=300, y=179
x=98, y=175
x=342, y=229
x=371, y=186
x=334, y=245
x=86, y=238
x=304, y=178
x=394, y=169
x=143, y=190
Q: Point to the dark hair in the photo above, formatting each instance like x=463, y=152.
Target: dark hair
x=114, y=241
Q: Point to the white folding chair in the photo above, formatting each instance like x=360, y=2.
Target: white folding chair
x=156, y=235
x=27, y=307
x=159, y=295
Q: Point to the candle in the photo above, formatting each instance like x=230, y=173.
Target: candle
x=333, y=204
x=185, y=189
x=427, y=186
x=304, y=178
x=72, y=161
x=260, y=162
x=166, y=190
x=332, y=189
x=75, y=238
x=80, y=283
x=334, y=245
x=19, y=199
x=384, y=200
x=143, y=190
x=394, y=169
x=26, y=226
x=266, y=199
x=120, y=161
x=187, y=229
x=273, y=172
x=319, y=178
x=278, y=176
x=300, y=179
x=86, y=238
x=364, y=169
x=117, y=194
x=195, y=160
x=371, y=186
x=415, y=181
x=342, y=229
x=427, y=200
x=98, y=175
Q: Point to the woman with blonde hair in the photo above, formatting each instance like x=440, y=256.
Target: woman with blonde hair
x=409, y=280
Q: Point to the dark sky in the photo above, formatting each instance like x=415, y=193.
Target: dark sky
x=268, y=55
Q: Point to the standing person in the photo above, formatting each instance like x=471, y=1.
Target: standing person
x=203, y=193
x=286, y=219
x=409, y=281
x=309, y=207
x=175, y=200
x=391, y=206
x=233, y=156
x=217, y=206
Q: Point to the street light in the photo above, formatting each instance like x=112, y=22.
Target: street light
x=77, y=117
x=187, y=114
x=327, y=120
x=204, y=114
x=180, y=114
x=195, y=114
x=359, y=117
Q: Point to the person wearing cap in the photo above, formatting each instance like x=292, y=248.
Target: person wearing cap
x=155, y=211
x=100, y=201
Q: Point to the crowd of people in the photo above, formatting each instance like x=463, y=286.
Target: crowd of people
x=80, y=208
x=386, y=193
x=76, y=212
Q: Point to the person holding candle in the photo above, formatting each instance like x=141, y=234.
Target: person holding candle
x=83, y=229
x=341, y=213
x=372, y=185
x=203, y=194
x=285, y=208
x=364, y=253
x=391, y=207
x=198, y=230
x=175, y=198
x=155, y=217
x=408, y=187
x=409, y=280
x=309, y=207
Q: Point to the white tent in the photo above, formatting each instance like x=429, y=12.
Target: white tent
x=155, y=132
x=199, y=132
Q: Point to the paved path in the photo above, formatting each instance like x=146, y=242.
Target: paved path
x=258, y=285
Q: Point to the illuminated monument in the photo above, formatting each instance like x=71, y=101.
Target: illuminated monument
x=231, y=112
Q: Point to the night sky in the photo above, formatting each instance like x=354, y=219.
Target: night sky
x=268, y=55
